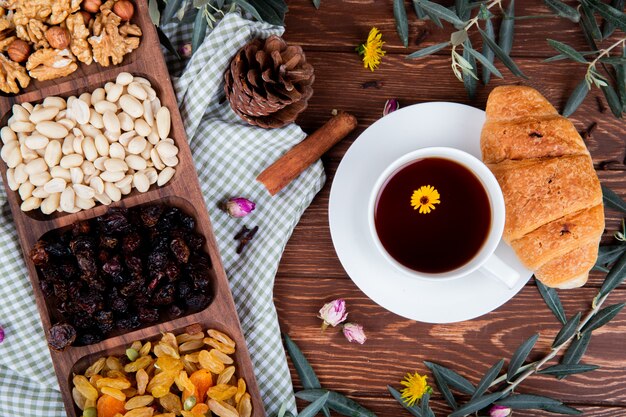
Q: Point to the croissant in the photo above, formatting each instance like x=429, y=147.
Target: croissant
x=553, y=199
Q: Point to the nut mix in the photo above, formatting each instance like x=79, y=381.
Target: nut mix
x=187, y=375
x=121, y=270
x=52, y=36
x=66, y=155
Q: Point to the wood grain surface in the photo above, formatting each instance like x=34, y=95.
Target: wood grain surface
x=310, y=273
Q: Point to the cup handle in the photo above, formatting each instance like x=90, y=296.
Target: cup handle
x=495, y=268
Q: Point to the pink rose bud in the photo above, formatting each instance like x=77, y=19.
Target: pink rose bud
x=185, y=50
x=354, y=333
x=391, y=105
x=333, y=313
x=1, y=334
x=239, y=207
x=499, y=411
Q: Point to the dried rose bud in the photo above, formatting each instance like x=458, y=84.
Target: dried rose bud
x=239, y=207
x=333, y=313
x=185, y=50
x=354, y=333
x=391, y=105
x=499, y=411
x=1, y=334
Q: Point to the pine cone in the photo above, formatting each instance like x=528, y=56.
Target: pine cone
x=269, y=83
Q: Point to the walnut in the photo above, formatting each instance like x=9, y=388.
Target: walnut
x=11, y=74
x=61, y=9
x=28, y=10
x=34, y=32
x=110, y=44
x=48, y=64
x=79, y=34
x=4, y=43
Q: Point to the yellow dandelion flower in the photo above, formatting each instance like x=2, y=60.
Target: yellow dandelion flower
x=372, y=50
x=416, y=387
x=425, y=198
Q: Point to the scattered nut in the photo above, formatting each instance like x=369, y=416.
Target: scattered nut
x=58, y=37
x=92, y=6
x=124, y=9
x=19, y=50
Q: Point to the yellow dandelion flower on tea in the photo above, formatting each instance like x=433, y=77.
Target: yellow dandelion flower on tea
x=425, y=199
x=372, y=51
x=415, y=387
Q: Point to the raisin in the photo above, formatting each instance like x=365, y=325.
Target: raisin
x=82, y=244
x=148, y=315
x=194, y=241
x=113, y=266
x=88, y=339
x=172, y=272
x=184, y=289
x=164, y=295
x=150, y=215
x=81, y=228
x=57, y=249
x=131, y=242
x=174, y=311
x=46, y=287
x=104, y=320
x=132, y=287
x=108, y=242
x=180, y=250
x=116, y=302
x=187, y=222
x=114, y=221
x=61, y=336
x=38, y=254
x=133, y=263
x=129, y=323
x=197, y=301
x=60, y=290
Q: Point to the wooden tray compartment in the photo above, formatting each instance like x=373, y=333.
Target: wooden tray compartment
x=183, y=190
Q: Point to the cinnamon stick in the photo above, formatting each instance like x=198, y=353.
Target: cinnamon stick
x=278, y=175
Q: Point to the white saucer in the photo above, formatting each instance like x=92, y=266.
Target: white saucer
x=408, y=129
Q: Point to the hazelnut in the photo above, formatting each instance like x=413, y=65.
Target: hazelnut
x=86, y=16
x=124, y=9
x=19, y=50
x=92, y=6
x=58, y=37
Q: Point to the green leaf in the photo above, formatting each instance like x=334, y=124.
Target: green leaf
x=476, y=404
x=199, y=31
x=470, y=78
x=452, y=378
x=443, y=388
x=507, y=29
x=165, y=41
x=462, y=9
x=560, y=57
x=576, y=99
x=614, y=16
x=563, y=10
x=337, y=402
x=589, y=22
x=153, y=11
x=612, y=200
x=613, y=60
x=487, y=51
x=528, y=402
x=171, y=7
x=577, y=349
x=615, y=277
x=552, y=300
x=317, y=3
x=562, y=409
x=609, y=253
x=414, y=410
x=620, y=75
x=502, y=56
x=608, y=28
x=315, y=406
x=520, y=355
x=428, y=50
x=570, y=369
x=305, y=371
x=485, y=62
x=568, y=330
x=613, y=100
x=488, y=378
x=189, y=16
x=248, y=8
x=441, y=12
x=567, y=50
x=603, y=316
x=424, y=403
x=402, y=23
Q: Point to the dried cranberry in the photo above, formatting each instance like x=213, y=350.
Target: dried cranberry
x=61, y=336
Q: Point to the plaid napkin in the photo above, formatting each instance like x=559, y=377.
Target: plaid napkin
x=229, y=154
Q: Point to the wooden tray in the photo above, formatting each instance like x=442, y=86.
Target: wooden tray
x=182, y=191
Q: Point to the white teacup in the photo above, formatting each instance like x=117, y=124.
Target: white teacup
x=485, y=260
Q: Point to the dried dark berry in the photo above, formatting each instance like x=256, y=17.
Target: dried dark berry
x=81, y=320
x=57, y=249
x=82, y=244
x=194, y=241
x=61, y=336
x=128, y=323
x=104, y=320
x=197, y=301
x=108, y=242
x=38, y=254
x=148, y=315
x=60, y=290
x=175, y=311
x=113, y=266
x=157, y=260
x=169, y=219
x=180, y=250
x=185, y=289
x=133, y=264
x=116, y=302
x=187, y=222
x=172, y=272
x=131, y=288
x=114, y=221
x=87, y=265
x=46, y=287
x=88, y=339
x=164, y=295
x=150, y=215
x=81, y=228
x=131, y=242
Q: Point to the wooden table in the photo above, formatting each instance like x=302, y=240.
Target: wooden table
x=310, y=273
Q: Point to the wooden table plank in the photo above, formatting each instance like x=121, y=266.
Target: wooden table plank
x=340, y=25
x=339, y=79
x=397, y=345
